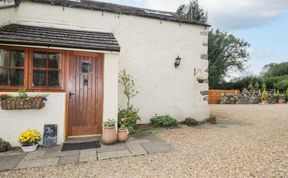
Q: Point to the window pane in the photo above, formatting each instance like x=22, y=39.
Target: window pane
x=3, y=76
x=3, y=57
x=39, y=78
x=17, y=58
x=86, y=67
x=53, y=60
x=53, y=78
x=39, y=60
x=16, y=77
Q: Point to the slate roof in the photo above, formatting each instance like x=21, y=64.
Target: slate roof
x=54, y=37
x=121, y=9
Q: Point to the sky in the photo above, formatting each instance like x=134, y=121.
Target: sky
x=262, y=23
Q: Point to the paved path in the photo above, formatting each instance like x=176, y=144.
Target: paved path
x=143, y=144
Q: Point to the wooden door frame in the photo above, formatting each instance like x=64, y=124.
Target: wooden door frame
x=100, y=57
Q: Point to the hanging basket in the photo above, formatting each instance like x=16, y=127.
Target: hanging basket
x=18, y=103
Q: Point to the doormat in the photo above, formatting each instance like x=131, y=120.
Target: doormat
x=81, y=146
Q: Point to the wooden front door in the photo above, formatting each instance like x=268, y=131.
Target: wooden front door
x=85, y=92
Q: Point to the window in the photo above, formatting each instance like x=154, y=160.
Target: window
x=85, y=67
x=30, y=69
x=11, y=67
x=46, y=69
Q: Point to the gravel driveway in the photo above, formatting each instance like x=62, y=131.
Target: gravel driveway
x=249, y=141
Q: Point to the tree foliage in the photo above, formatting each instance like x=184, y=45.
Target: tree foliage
x=273, y=69
x=195, y=12
x=225, y=52
x=127, y=81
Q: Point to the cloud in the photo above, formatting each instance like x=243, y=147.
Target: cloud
x=231, y=14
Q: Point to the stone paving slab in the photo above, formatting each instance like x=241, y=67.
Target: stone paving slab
x=37, y=163
x=157, y=148
x=35, y=155
x=136, y=149
x=61, y=154
x=88, y=155
x=137, y=141
x=8, y=162
x=110, y=148
x=68, y=160
x=143, y=144
x=113, y=154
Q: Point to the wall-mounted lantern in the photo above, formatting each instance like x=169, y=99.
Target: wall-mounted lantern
x=199, y=75
x=177, y=62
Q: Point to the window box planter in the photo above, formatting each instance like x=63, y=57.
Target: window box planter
x=18, y=103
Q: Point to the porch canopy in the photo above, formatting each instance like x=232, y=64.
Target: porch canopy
x=15, y=34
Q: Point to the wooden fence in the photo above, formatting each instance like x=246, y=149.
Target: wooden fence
x=215, y=95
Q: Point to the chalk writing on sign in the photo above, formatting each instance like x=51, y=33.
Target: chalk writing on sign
x=50, y=135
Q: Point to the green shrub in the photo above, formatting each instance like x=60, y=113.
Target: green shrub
x=257, y=86
x=264, y=95
x=281, y=85
x=278, y=95
x=4, y=145
x=163, y=121
x=286, y=95
x=264, y=86
x=127, y=118
x=271, y=82
x=109, y=123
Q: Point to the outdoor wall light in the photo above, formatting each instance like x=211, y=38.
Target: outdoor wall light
x=177, y=62
x=199, y=75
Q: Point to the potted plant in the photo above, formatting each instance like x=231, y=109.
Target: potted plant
x=109, y=135
x=29, y=140
x=279, y=98
x=123, y=131
x=264, y=97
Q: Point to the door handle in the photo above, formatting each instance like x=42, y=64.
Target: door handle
x=71, y=94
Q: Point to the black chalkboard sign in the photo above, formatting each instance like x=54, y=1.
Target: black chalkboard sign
x=50, y=135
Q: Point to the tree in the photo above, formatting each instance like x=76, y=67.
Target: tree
x=274, y=70
x=194, y=12
x=127, y=81
x=225, y=52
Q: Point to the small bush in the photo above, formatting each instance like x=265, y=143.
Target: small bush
x=163, y=121
x=264, y=95
x=127, y=118
x=4, y=145
x=109, y=123
x=190, y=122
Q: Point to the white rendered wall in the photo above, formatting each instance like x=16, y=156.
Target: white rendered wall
x=13, y=122
x=110, y=86
x=148, y=51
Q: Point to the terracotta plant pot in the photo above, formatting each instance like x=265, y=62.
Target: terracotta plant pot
x=281, y=101
x=123, y=135
x=109, y=135
x=264, y=101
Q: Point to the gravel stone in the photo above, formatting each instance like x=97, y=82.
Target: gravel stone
x=248, y=141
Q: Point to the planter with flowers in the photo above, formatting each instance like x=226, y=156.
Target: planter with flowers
x=264, y=97
x=109, y=135
x=280, y=98
x=123, y=131
x=29, y=140
x=23, y=101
